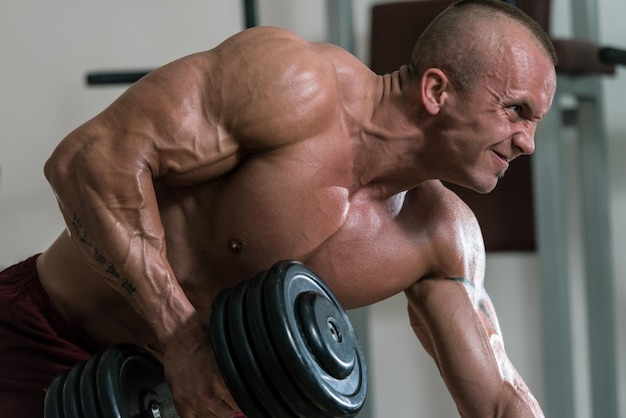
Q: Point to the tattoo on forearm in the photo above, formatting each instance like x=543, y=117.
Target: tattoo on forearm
x=481, y=302
x=126, y=284
x=100, y=258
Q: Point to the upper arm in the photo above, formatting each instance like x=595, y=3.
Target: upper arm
x=186, y=123
x=198, y=117
x=454, y=319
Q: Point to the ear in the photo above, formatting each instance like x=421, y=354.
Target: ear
x=434, y=87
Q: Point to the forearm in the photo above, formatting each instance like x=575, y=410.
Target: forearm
x=111, y=213
x=460, y=333
x=494, y=392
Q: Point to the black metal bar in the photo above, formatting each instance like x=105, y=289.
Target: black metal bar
x=129, y=77
x=612, y=56
x=114, y=77
x=250, y=14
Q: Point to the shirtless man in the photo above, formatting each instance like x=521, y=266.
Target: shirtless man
x=268, y=147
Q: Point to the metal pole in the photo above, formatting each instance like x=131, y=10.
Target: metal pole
x=598, y=257
x=250, y=13
x=552, y=236
x=596, y=228
x=340, y=23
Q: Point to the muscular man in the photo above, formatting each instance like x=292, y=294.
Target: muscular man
x=268, y=147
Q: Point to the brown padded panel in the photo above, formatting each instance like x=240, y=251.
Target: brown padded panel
x=580, y=57
x=506, y=215
x=538, y=10
x=395, y=28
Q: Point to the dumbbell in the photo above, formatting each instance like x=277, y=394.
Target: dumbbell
x=282, y=341
x=122, y=381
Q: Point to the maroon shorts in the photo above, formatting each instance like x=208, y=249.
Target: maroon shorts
x=36, y=342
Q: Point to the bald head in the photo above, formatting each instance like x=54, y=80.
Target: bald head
x=466, y=39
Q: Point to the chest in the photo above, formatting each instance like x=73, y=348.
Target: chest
x=265, y=212
x=358, y=246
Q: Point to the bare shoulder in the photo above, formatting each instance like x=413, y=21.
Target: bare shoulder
x=259, y=89
x=278, y=85
x=198, y=117
x=452, y=229
x=252, y=87
x=440, y=204
x=280, y=48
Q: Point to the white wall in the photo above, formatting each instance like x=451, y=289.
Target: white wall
x=46, y=50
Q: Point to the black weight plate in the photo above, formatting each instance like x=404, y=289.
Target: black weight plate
x=142, y=382
x=53, y=403
x=127, y=376
x=89, y=390
x=334, y=396
x=71, y=392
x=272, y=380
x=323, y=325
x=282, y=330
x=259, y=402
x=107, y=381
x=222, y=350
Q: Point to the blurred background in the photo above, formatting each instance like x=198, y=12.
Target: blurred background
x=47, y=49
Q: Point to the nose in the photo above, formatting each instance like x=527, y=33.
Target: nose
x=524, y=140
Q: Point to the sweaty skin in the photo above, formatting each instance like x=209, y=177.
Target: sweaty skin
x=265, y=148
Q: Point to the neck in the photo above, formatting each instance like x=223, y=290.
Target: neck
x=390, y=142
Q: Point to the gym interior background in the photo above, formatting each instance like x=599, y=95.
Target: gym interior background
x=47, y=48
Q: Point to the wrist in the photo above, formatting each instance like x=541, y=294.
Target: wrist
x=178, y=323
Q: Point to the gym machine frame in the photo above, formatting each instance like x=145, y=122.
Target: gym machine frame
x=553, y=243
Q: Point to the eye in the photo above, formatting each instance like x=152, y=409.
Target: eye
x=517, y=109
x=515, y=112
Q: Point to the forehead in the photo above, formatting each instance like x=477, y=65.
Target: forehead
x=522, y=70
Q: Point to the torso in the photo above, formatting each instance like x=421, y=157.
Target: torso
x=226, y=231
x=263, y=213
x=299, y=201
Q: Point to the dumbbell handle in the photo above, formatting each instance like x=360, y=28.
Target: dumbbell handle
x=162, y=410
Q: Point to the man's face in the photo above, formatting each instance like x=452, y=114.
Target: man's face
x=495, y=122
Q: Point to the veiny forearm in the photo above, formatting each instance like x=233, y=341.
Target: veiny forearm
x=111, y=212
x=460, y=333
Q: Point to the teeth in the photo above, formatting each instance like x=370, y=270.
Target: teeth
x=502, y=156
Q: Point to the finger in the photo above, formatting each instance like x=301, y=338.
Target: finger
x=222, y=409
x=230, y=402
x=231, y=407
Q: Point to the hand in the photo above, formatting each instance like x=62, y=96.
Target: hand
x=197, y=385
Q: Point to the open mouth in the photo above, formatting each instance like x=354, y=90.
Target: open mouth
x=502, y=157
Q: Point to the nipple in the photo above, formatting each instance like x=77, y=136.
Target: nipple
x=236, y=245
